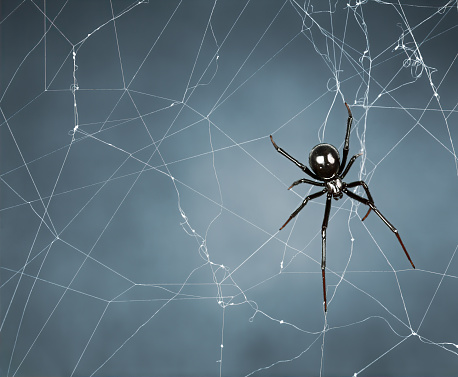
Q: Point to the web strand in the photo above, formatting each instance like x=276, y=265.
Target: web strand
x=141, y=196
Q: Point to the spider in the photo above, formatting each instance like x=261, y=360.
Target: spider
x=324, y=161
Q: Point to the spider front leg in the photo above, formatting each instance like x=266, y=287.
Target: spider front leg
x=323, y=247
x=373, y=208
x=304, y=202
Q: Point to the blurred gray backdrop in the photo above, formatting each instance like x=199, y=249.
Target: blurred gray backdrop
x=141, y=196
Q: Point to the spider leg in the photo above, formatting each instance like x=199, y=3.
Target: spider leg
x=367, y=214
x=366, y=189
x=373, y=208
x=346, y=147
x=350, y=163
x=304, y=202
x=323, y=247
x=304, y=180
x=304, y=168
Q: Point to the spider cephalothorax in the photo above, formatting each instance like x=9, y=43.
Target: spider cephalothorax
x=334, y=186
x=324, y=160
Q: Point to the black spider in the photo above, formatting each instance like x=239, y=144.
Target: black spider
x=325, y=162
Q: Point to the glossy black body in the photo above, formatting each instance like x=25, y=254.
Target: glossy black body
x=329, y=171
x=324, y=160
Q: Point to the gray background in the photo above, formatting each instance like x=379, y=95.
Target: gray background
x=111, y=267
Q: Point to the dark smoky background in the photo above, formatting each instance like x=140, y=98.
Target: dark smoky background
x=141, y=196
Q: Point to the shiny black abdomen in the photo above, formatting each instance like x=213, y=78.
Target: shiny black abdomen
x=324, y=160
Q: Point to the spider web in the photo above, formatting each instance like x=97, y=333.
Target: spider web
x=141, y=196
